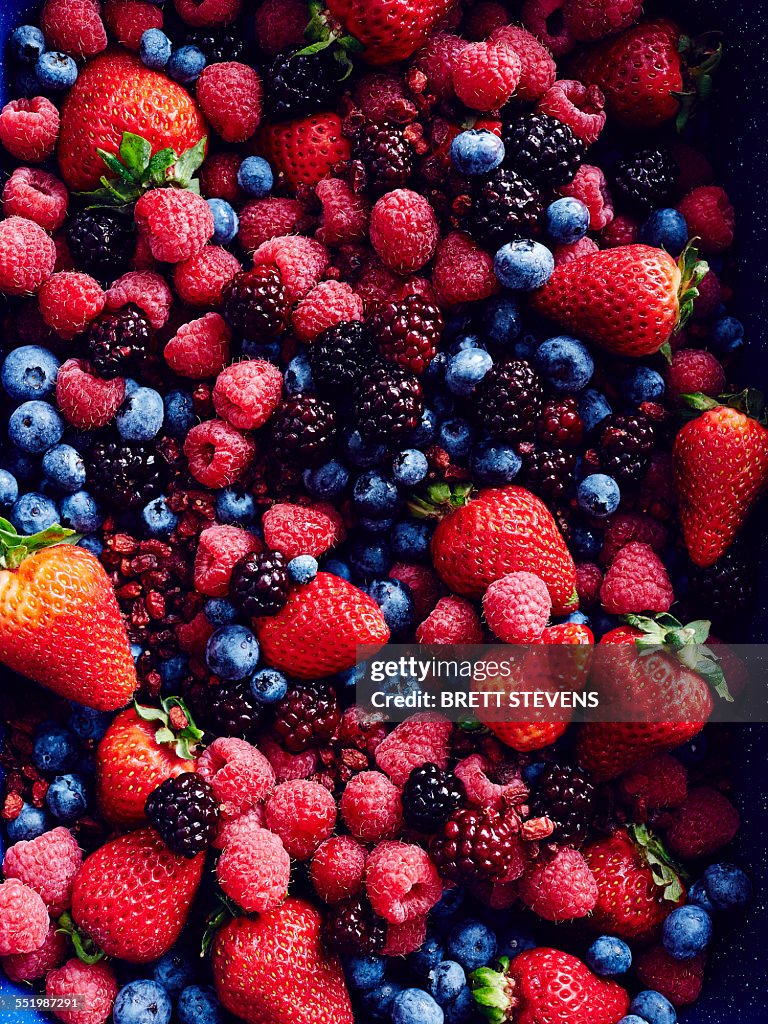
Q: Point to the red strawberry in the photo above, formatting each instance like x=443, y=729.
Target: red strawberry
x=132, y=896
x=628, y=300
x=319, y=629
x=569, y=668
x=272, y=969
x=721, y=467
x=390, y=30
x=305, y=150
x=59, y=621
x=679, y=981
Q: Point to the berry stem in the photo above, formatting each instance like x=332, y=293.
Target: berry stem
x=15, y=547
x=692, y=272
x=176, y=725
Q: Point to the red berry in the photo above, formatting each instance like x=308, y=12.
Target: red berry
x=27, y=256
x=628, y=527
x=69, y=301
x=660, y=782
x=517, y=607
x=229, y=95
x=218, y=178
x=329, y=303
x=463, y=272
x=453, y=620
x=145, y=289
x=301, y=262
x=217, y=453
x=577, y=105
x=405, y=938
x=422, y=738
x=175, y=222
x=254, y=870
x=47, y=864
x=693, y=370
x=710, y=218
x=303, y=814
x=384, y=98
x=95, y=984
x=240, y=776
x=273, y=217
x=23, y=918
x=590, y=187
x=202, y=13
x=538, y=68
x=29, y=128
x=31, y=966
x=371, y=808
x=200, y=348
x=219, y=548
x=431, y=71
x=337, y=868
x=621, y=231
x=560, y=887
x=679, y=981
x=302, y=529
x=246, y=394
x=200, y=280
x=280, y=24
x=128, y=20
x=36, y=195
x=404, y=230
x=636, y=582
x=703, y=823
x=595, y=19
x=345, y=213
x=589, y=580
x=85, y=400
x=485, y=75
x=73, y=26
x=544, y=19
x=401, y=881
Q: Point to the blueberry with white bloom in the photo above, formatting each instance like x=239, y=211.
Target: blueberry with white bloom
x=268, y=686
x=326, y=481
x=33, y=512
x=686, y=932
x=140, y=417
x=727, y=886
x=155, y=48
x=598, y=495
x=502, y=320
x=27, y=43
x=410, y=467
x=370, y=558
x=255, y=177
x=158, y=519
x=410, y=540
x=81, y=513
x=302, y=568
x=35, y=426
x=466, y=369
x=64, y=468
x=364, y=972
x=565, y=363
x=445, y=981
x=297, y=378
x=653, y=1007
x=642, y=384
x=609, y=956
x=29, y=371
x=476, y=151
x=65, y=798
x=235, y=506
x=495, y=464
x=9, y=488
x=375, y=495
x=594, y=408
x=665, y=229
x=186, y=64
x=727, y=334
x=225, y=221
x=180, y=414
x=56, y=71
x=220, y=611
x=456, y=436
x=523, y=265
x=567, y=220
x=232, y=652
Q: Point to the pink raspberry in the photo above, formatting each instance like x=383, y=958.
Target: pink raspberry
x=517, y=607
x=702, y=824
x=246, y=394
x=94, y=983
x=544, y=19
x=219, y=548
x=22, y=967
x=679, y=981
x=485, y=75
x=254, y=870
x=660, y=782
x=569, y=251
x=622, y=230
x=636, y=582
x=405, y=938
x=595, y=19
x=301, y=262
x=377, y=285
x=628, y=527
x=273, y=217
x=27, y=256
x=463, y=272
x=217, y=453
x=303, y=814
x=401, y=881
x=590, y=187
x=589, y=579
x=362, y=730
x=474, y=773
x=36, y=195
x=330, y=303
x=200, y=348
x=85, y=400
x=453, y=620
x=288, y=767
x=431, y=71
x=29, y=129
x=203, y=13
x=709, y=299
x=371, y=808
x=218, y=178
x=47, y=864
x=577, y=105
x=69, y=301
x=345, y=213
x=230, y=95
x=559, y=887
x=145, y=289
x=693, y=167
x=424, y=737
x=200, y=280
x=693, y=370
x=175, y=222
x=710, y=217
x=280, y=24
x=384, y=98
x=425, y=586
x=128, y=20
x=73, y=26
x=338, y=868
x=23, y=918
x=194, y=635
x=230, y=828
x=240, y=776
x=538, y=69
x=485, y=18
x=404, y=230
x=302, y=529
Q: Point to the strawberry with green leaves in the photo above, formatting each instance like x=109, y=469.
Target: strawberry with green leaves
x=135, y=169
x=390, y=30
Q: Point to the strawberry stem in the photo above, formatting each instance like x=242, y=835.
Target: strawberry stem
x=685, y=643
x=750, y=401
x=492, y=992
x=702, y=56
x=439, y=500
x=692, y=272
x=86, y=949
x=15, y=547
x=666, y=874
x=227, y=909
x=136, y=170
x=176, y=725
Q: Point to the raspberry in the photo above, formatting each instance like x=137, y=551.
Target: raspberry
x=710, y=217
x=330, y=303
x=246, y=394
x=709, y=299
x=36, y=195
x=240, y=776
x=176, y=223
x=361, y=730
x=337, y=868
x=658, y=783
x=200, y=280
x=27, y=256
x=303, y=814
x=95, y=984
x=577, y=105
x=622, y=230
x=144, y=289
x=560, y=887
x=485, y=75
x=263, y=219
x=254, y=870
x=589, y=579
x=74, y=27
x=295, y=530
x=201, y=13
x=544, y=19
x=693, y=370
x=517, y=607
x=473, y=773
x=217, y=453
x=404, y=230
x=594, y=19
x=345, y=213
x=231, y=828
x=47, y=864
x=538, y=68
x=31, y=966
x=29, y=129
x=636, y=582
x=703, y=823
x=693, y=167
x=229, y=95
x=425, y=586
x=431, y=71
x=218, y=178
x=301, y=262
x=463, y=272
x=401, y=881
x=679, y=981
x=422, y=738
x=220, y=547
x=625, y=528
x=377, y=285
x=194, y=635
x=23, y=918
x=87, y=401
x=280, y=24
x=200, y=348
x=574, y=251
x=384, y=98
x=405, y=938
x=453, y=620
x=484, y=18
x=371, y=808
x=69, y=301
x=590, y=187
x=287, y=766
x=128, y=20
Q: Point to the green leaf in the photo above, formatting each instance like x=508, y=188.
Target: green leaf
x=165, y=735
x=114, y=165
x=699, y=401
x=148, y=714
x=160, y=164
x=665, y=872
x=188, y=163
x=135, y=152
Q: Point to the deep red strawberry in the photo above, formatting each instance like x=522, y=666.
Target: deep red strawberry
x=304, y=151
x=390, y=30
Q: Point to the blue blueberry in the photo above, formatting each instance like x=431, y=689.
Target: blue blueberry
x=699, y=897
x=199, y=1004
x=268, y=686
x=375, y=495
x=140, y=417
x=523, y=265
x=302, y=569
x=565, y=363
x=632, y=1018
x=186, y=64
x=27, y=43
x=727, y=334
x=232, y=652
x=643, y=385
x=377, y=1002
x=410, y=467
x=56, y=71
x=297, y=378
x=34, y=512
x=225, y=221
x=502, y=320
x=476, y=151
x=466, y=369
x=66, y=799
x=87, y=723
x=30, y=823
x=269, y=350
x=427, y=957
x=155, y=48
x=517, y=940
x=370, y=558
x=64, y=468
x=142, y=1002
x=174, y=971
x=172, y=672
x=327, y=481
x=594, y=408
x=255, y=177
x=235, y=506
x=598, y=495
x=585, y=542
x=463, y=1008
x=415, y=1006
x=54, y=749
x=377, y=527
x=609, y=956
x=445, y=981
x=29, y=372
x=665, y=229
x=35, y=426
x=9, y=488
x=158, y=519
x=131, y=385
x=424, y=434
x=473, y=944
x=495, y=464
x=727, y=886
x=396, y=603
x=180, y=413
x=410, y=541
x=363, y=454
x=456, y=436
x=653, y=1007
x=81, y=513
x=337, y=568
x=365, y=972
x=687, y=930
x=567, y=220
x=220, y=611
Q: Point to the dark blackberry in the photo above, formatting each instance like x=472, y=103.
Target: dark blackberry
x=297, y=84
x=386, y=157
x=255, y=303
x=509, y=399
x=503, y=207
x=260, y=583
x=185, y=813
x=646, y=180
x=625, y=446
x=542, y=149
x=118, y=342
x=430, y=796
x=339, y=357
x=353, y=928
x=567, y=796
x=561, y=424
x=474, y=845
x=726, y=590
x=123, y=475
x=231, y=710
x=408, y=332
x=102, y=242
x=388, y=404
x=218, y=44
x=303, y=430
x=307, y=716
x=550, y=472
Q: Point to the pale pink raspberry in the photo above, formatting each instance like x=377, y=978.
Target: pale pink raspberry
x=590, y=187
x=273, y=217
x=37, y=195
x=543, y=19
x=431, y=71
x=424, y=737
x=404, y=230
x=254, y=870
x=453, y=620
x=517, y=607
x=29, y=129
x=301, y=262
x=474, y=773
x=200, y=348
x=230, y=94
x=345, y=213
x=27, y=256
x=401, y=881
x=577, y=105
x=303, y=814
x=559, y=887
x=85, y=400
x=371, y=807
x=246, y=394
x=145, y=289
x=485, y=75
x=22, y=967
x=219, y=548
x=200, y=280
x=383, y=98
x=405, y=938
x=338, y=868
x=328, y=304
x=47, y=864
x=69, y=301
x=636, y=581
x=96, y=983
x=569, y=251
x=288, y=767
x=176, y=222
x=230, y=828
x=302, y=529
x=239, y=775
x=23, y=918
x=538, y=67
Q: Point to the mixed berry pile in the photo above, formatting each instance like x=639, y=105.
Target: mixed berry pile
x=325, y=326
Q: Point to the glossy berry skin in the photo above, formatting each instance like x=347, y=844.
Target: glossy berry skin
x=477, y=152
x=556, y=987
x=390, y=30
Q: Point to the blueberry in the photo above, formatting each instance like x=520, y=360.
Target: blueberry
x=462, y=1009
x=523, y=265
x=424, y=434
x=365, y=972
x=29, y=372
x=396, y=603
x=502, y=320
x=476, y=151
x=158, y=519
x=225, y=221
x=370, y=559
x=532, y=772
x=180, y=414
x=410, y=541
x=377, y=1002
x=632, y=1018
x=140, y=417
x=414, y=1006
x=186, y=64
x=302, y=569
x=593, y=409
x=473, y=944
x=466, y=369
x=665, y=229
x=56, y=71
x=87, y=723
x=174, y=971
x=495, y=464
x=517, y=940
x=445, y=981
x=653, y=1007
x=9, y=488
x=337, y=568
x=427, y=957
x=54, y=749
x=27, y=43
x=410, y=467
x=567, y=220
x=155, y=48
x=727, y=334
x=608, y=956
x=35, y=426
x=456, y=436
x=268, y=686
x=598, y=495
x=172, y=672
x=579, y=618
x=464, y=341
x=234, y=505
x=66, y=798
x=375, y=495
x=131, y=385
x=30, y=823
x=34, y=512
x=199, y=1004
x=24, y=467
x=565, y=363
x=269, y=350
x=643, y=385
x=377, y=527
x=698, y=896
x=92, y=544
x=363, y=454
x=585, y=542
x=64, y=468
x=232, y=652
x=727, y=886
x=327, y=481
x=687, y=930
x=142, y=1002
x=297, y=378
x=80, y=512
x=255, y=178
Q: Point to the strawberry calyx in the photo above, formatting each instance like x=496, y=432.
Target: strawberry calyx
x=493, y=992
x=85, y=948
x=750, y=401
x=225, y=911
x=439, y=500
x=702, y=55
x=15, y=547
x=176, y=727
x=666, y=874
x=692, y=272
x=323, y=31
x=685, y=643
x=136, y=170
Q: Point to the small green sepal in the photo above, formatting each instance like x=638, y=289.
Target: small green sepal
x=184, y=739
x=85, y=948
x=666, y=874
x=15, y=546
x=692, y=272
x=687, y=643
x=135, y=170
x=492, y=993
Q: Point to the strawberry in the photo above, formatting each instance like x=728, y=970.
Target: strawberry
x=501, y=530
x=59, y=621
x=547, y=986
x=390, y=30
x=637, y=885
x=569, y=668
x=628, y=300
x=306, y=150
x=319, y=629
x=142, y=748
x=132, y=896
x=114, y=94
x=272, y=969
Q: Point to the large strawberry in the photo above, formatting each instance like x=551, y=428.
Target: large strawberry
x=319, y=629
x=132, y=896
x=390, y=30
x=141, y=748
x=547, y=986
x=117, y=93
x=59, y=620
x=306, y=150
x=501, y=530
x=629, y=300
x=272, y=969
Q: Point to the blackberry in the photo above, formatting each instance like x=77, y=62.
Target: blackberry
x=218, y=44
x=561, y=424
x=386, y=157
x=123, y=475
x=503, y=207
x=231, y=710
x=475, y=844
x=118, y=342
x=303, y=430
x=725, y=590
x=408, y=332
x=625, y=446
x=542, y=149
x=567, y=796
x=388, y=404
x=297, y=84
x=102, y=242
x=430, y=796
x=260, y=583
x=353, y=928
x=307, y=716
x=338, y=358
x=509, y=399
x=646, y=180
x=255, y=303
x=185, y=813
x=550, y=472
